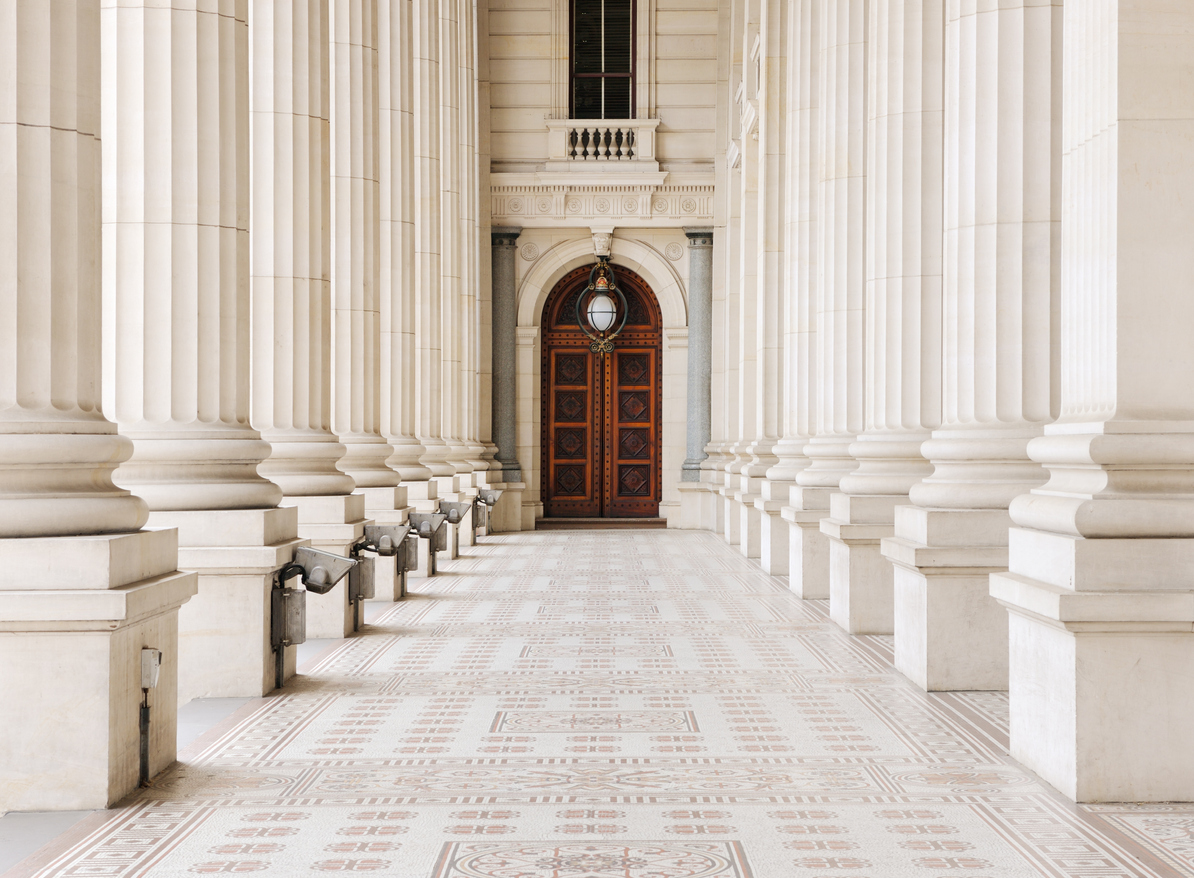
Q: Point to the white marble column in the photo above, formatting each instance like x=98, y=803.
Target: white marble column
x=808, y=550
x=82, y=588
x=290, y=243
x=841, y=268
x=396, y=138
x=1102, y=615
x=175, y=87
x=356, y=242
x=903, y=305
x=1002, y=203
x=428, y=283
x=763, y=497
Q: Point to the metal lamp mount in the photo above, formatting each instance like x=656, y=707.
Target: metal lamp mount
x=601, y=282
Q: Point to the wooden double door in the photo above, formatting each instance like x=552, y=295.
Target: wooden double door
x=601, y=413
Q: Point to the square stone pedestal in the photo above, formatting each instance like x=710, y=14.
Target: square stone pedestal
x=386, y=506
x=75, y=613
x=808, y=548
x=860, y=578
x=1101, y=679
x=950, y=634
x=422, y=496
x=731, y=521
x=506, y=515
x=224, y=648
x=774, y=548
x=696, y=505
x=750, y=520
x=332, y=524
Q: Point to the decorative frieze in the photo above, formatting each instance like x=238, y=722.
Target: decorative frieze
x=535, y=203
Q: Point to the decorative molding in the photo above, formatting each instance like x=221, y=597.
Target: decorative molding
x=529, y=252
x=543, y=201
x=673, y=251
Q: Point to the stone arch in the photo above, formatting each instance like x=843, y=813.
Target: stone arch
x=639, y=257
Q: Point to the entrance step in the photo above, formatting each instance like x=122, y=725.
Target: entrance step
x=598, y=523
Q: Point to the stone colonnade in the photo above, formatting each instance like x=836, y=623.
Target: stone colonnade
x=956, y=353
x=287, y=351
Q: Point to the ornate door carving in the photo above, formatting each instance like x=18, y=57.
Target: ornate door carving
x=601, y=414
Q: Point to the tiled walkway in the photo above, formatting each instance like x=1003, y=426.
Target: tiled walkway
x=604, y=704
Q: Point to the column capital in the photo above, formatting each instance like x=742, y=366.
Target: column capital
x=505, y=236
x=699, y=237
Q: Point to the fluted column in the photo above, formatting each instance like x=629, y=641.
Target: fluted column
x=176, y=210
x=82, y=588
x=775, y=475
x=504, y=352
x=356, y=241
x=903, y=304
x=425, y=27
x=396, y=138
x=1002, y=212
x=57, y=450
x=841, y=259
x=290, y=247
x=808, y=550
x=1102, y=616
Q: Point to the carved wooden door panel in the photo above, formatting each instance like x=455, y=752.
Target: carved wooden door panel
x=601, y=414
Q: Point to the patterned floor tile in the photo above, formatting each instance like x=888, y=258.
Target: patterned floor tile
x=592, y=704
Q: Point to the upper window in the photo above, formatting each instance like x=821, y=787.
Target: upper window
x=602, y=59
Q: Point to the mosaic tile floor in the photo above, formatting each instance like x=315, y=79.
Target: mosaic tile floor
x=613, y=704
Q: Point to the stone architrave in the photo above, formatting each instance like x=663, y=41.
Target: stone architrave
x=1002, y=225
x=176, y=160
x=82, y=588
x=1100, y=557
x=903, y=306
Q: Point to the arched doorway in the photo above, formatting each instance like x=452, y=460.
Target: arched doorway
x=601, y=414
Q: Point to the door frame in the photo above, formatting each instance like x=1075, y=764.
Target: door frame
x=602, y=384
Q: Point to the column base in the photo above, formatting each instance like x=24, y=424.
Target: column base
x=507, y=515
x=731, y=530
x=332, y=524
x=749, y=519
x=694, y=509
x=75, y=613
x=422, y=496
x=950, y=634
x=1100, y=679
x=224, y=649
x=808, y=548
x=860, y=579
x=774, y=548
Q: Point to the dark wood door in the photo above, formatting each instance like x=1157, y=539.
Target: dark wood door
x=601, y=414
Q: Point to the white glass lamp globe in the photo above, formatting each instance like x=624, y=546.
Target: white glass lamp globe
x=602, y=311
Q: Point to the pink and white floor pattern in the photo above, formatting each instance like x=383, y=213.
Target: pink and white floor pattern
x=613, y=704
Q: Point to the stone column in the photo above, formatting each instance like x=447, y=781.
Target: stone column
x=175, y=85
x=290, y=242
x=772, y=378
x=903, y=305
x=505, y=319
x=425, y=80
x=841, y=267
x=1001, y=260
x=396, y=138
x=1102, y=615
x=808, y=551
x=700, y=347
x=82, y=589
